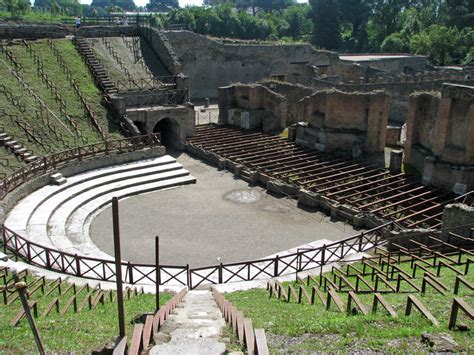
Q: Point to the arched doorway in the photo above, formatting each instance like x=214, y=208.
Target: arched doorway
x=168, y=129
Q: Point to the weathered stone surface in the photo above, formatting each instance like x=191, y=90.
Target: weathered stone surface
x=193, y=328
x=442, y=342
x=212, y=64
x=340, y=121
x=440, y=137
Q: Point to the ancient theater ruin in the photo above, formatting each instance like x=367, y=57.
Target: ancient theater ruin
x=310, y=161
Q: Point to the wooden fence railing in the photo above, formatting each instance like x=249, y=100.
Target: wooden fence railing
x=143, y=334
x=56, y=160
x=254, y=339
x=104, y=270
x=87, y=267
x=155, y=83
x=290, y=263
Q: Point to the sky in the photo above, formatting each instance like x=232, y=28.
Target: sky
x=182, y=3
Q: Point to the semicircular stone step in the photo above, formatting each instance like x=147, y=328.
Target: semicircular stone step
x=20, y=216
x=49, y=214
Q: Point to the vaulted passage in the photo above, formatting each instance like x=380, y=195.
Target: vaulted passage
x=168, y=129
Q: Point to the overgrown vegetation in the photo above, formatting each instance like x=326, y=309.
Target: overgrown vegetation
x=80, y=332
x=302, y=327
x=39, y=121
x=441, y=29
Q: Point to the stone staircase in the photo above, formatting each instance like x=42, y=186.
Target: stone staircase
x=59, y=216
x=193, y=328
x=17, y=148
x=57, y=179
x=99, y=73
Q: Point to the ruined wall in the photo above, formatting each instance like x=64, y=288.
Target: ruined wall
x=400, y=87
x=392, y=63
x=252, y=107
x=440, y=137
x=351, y=123
x=293, y=94
x=211, y=64
x=162, y=48
x=456, y=215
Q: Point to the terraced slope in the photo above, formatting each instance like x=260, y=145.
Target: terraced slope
x=48, y=100
x=300, y=320
x=70, y=317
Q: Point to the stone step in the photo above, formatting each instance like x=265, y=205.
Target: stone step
x=31, y=159
x=10, y=143
x=50, y=196
x=57, y=179
x=193, y=328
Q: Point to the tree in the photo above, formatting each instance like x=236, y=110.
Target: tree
x=443, y=45
x=354, y=15
x=263, y=5
x=395, y=43
x=17, y=7
x=70, y=7
x=162, y=5
x=459, y=13
x=326, y=30
x=127, y=5
x=298, y=22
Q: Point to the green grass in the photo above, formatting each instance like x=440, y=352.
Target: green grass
x=81, y=332
x=299, y=327
x=34, y=16
x=23, y=107
x=8, y=163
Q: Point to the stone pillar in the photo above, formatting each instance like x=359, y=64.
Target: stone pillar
x=396, y=161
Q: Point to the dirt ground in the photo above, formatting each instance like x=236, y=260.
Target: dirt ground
x=218, y=218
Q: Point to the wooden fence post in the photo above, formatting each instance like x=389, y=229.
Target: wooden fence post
x=275, y=271
x=158, y=276
x=118, y=266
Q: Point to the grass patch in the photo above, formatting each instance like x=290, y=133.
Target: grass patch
x=82, y=332
x=302, y=327
x=23, y=108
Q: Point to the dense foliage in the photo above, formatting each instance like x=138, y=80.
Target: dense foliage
x=441, y=29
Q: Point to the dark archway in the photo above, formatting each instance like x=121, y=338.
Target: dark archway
x=168, y=129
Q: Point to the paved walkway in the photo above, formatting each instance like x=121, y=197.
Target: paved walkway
x=193, y=328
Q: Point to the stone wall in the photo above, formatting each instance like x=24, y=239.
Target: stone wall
x=11, y=30
x=252, y=107
x=392, y=63
x=162, y=48
x=458, y=215
x=350, y=123
x=293, y=94
x=181, y=119
x=440, y=137
x=211, y=64
x=399, y=87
